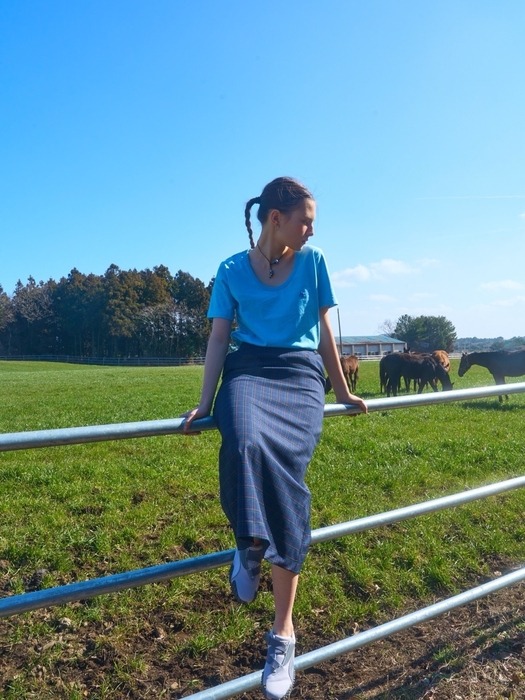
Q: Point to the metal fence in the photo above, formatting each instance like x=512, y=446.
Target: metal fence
x=87, y=589
x=109, y=361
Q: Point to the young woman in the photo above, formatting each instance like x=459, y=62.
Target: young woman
x=269, y=407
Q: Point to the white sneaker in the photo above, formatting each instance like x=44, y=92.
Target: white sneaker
x=278, y=674
x=245, y=573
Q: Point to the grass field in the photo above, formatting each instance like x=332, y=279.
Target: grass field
x=79, y=512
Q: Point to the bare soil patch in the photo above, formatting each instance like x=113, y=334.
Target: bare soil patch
x=475, y=652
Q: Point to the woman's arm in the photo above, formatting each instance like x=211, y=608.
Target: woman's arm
x=216, y=351
x=332, y=363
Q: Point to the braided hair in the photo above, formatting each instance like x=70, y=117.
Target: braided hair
x=283, y=194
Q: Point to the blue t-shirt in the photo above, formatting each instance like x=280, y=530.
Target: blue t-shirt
x=286, y=315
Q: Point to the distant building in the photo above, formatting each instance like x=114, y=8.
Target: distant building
x=363, y=345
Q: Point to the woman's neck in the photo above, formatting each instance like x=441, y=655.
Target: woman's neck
x=271, y=250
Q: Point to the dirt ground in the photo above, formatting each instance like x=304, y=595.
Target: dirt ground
x=475, y=652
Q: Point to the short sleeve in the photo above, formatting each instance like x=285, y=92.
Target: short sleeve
x=326, y=292
x=222, y=303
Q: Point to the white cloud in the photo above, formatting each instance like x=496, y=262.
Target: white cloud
x=389, y=267
x=350, y=276
x=378, y=271
x=513, y=301
x=502, y=285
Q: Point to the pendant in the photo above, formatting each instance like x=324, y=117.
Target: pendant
x=271, y=273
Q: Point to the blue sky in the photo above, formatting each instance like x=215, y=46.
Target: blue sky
x=133, y=133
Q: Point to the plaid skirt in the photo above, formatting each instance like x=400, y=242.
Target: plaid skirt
x=269, y=410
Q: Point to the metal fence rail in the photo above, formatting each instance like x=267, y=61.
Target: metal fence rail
x=86, y=589
x=312, y=658
x=170, y=426
x=83, y=590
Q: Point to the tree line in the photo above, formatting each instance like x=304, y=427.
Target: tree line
x=152, y=313
x=122, y=313
x=428, y=333
x=475, y=344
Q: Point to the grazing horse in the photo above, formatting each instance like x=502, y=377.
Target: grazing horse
x=383, y=375
x=422, y=368
x=442, y=357
x=384, y=364
x=439, y=356
x=350, y=367
x=500, y=363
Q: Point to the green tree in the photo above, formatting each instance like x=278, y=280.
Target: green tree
x=515, y=343
x=157, y=286
x=123, y=290
x=6, y=321
x=498, y=343
x=426, y=333
x=6, y=310
x=34, y=319
x=121, y=313
x=78, y=304
x=191, y=298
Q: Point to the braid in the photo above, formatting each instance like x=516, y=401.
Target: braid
x=283, y=194
x=249, y=205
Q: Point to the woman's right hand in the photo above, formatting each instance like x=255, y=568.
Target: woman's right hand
x=218, y=343
x=190, y=416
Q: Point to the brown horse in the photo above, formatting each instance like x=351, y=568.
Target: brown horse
x=350, y=367
x=442, y=357
x=439, y=356
x=423, y=369
x=500, y=363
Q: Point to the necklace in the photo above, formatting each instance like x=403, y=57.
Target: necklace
x=271, y=263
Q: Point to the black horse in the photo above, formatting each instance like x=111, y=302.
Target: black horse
x=421, y=368
x=500, y=363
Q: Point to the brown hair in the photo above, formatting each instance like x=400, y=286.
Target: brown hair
x=283, y=194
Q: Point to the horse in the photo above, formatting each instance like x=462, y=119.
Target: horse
x=350, y=367
x=383, y=374
x=442, y=357
x=439, y=356
x=500, y=363
x=384, y=364
x=422, y=368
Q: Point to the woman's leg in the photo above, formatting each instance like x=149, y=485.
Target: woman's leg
x=278, y=674
x=284, y=590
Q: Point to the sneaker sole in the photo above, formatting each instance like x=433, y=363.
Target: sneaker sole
x=288, y=693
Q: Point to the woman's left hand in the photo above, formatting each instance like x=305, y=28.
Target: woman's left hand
x=355, y=401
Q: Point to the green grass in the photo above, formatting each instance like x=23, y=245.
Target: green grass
x=79, y=512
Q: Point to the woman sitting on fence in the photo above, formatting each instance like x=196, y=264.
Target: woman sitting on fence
x=270, y=405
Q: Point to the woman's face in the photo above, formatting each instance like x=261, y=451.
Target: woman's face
x=296, y=227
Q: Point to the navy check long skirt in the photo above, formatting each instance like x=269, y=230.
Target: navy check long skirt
x=269, y=410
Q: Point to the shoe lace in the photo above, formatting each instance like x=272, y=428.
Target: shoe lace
x=277, y=651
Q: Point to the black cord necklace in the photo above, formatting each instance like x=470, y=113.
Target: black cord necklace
x=271, y=263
